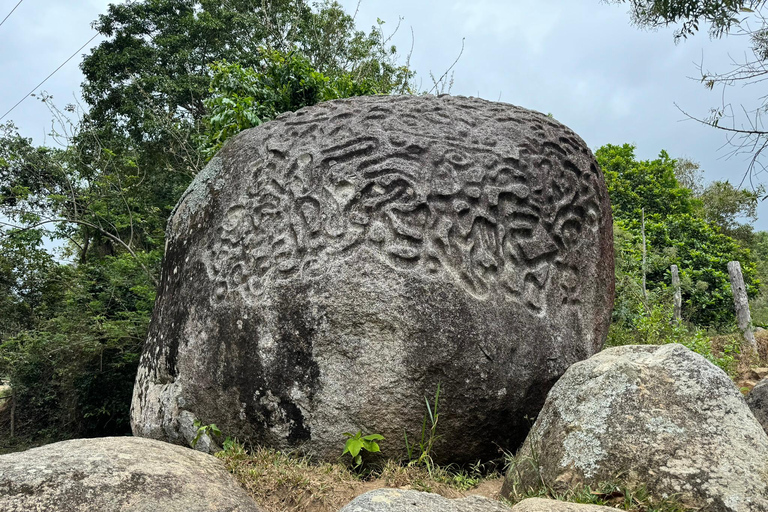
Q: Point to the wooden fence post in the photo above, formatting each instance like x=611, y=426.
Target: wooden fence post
x=645, y=290
x=677, y=314
x=13, y=412
x=741, y=306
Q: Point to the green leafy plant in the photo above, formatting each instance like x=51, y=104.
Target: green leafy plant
x=358, y=442
x=204, y=430
x=428, y=435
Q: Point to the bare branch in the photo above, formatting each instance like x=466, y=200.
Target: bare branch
x=20, y=229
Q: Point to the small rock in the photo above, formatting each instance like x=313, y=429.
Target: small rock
x=757, y=400
x=659, y=416
x=397, y=500
x=118, y=474
x=542, y=505
x=760, y=373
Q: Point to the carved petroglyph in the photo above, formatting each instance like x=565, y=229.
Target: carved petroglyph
x=502, y=204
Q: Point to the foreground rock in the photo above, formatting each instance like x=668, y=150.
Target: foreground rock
x=328, y=269
x=398, y=500
x=757, y=400
x=118, y=474
x=542, y=505
x=659, y=416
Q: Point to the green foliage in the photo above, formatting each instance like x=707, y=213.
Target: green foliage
x=246, y=97
x=154, y=66
x=720, y=14
x=357, y=442
x=204, y=430
x=759, y=305
x=725, y=206
x=428, y=435
x=675, y=234
x=634, y=185
x=72, y=370
x=657, y=329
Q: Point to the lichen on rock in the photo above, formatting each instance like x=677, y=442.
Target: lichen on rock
x=661, y=417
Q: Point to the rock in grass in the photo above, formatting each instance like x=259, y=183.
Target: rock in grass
x=661, y=417
x=398, y=500
x=118, y=474
x=330, y=268
x=544, y=505
x=757, y=400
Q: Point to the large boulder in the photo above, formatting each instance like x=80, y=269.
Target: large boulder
x=661, y=417
x=328, y=269
x=399, y=500
x=118, y=474
x=757, y=400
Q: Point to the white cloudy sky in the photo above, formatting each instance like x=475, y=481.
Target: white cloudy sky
x=580, y=60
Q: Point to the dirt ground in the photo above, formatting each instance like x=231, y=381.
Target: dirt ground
x=280, y=483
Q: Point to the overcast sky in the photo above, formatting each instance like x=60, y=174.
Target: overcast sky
x=580, y=60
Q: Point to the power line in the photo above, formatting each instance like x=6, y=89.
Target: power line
x=49, y=76
x=9, y=14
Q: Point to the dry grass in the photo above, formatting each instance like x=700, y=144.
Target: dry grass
x=282, y=483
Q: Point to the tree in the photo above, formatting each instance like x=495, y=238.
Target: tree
x=246, y=97
x=689, y=175
x=648, y=184
x=154, y=68
x=720, y=203
x=724, y=206
x=743, y=125
x=676, y=234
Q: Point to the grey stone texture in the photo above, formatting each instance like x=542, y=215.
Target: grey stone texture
x=399, y=500
x=659, y=416
x=118, y=474
x=328, y=269
x=757, y=400
x=543, y=505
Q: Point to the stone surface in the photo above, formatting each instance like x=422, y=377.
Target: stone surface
x=328, y=269
x=398, y=500
x=659, y=416
x=542, y=505
x=118, y=474
x=757, y=400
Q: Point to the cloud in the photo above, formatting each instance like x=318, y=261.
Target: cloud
x=526, y=21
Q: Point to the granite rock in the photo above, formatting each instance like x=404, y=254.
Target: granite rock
x=398, y=500
x=662, y=417
x=118, y=474
x=328, y=269
x=544, y=505
x=757, y=400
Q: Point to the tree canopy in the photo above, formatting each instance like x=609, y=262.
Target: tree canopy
x=677, y=232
